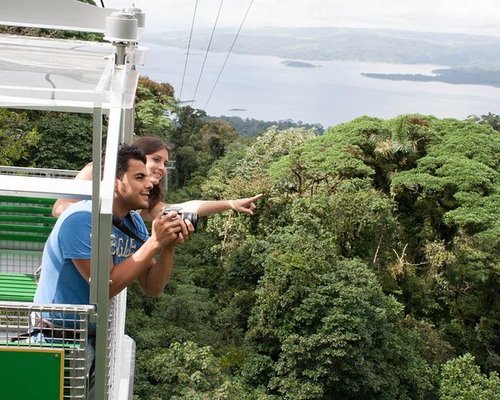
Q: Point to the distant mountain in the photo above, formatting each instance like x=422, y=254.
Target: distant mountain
x=381, y=45
x=471, y=59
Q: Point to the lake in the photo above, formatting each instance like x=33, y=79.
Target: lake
x=262, y=87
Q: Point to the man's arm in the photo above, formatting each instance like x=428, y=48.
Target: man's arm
x=165, y=233
x=121, y=275
x=154, y=280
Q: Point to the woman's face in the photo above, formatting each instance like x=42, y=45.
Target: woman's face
x=157, y=165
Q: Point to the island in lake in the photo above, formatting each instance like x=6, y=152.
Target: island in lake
x=298, y=64
x=463, y=76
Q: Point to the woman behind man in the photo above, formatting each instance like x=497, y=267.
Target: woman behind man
x=157, y=161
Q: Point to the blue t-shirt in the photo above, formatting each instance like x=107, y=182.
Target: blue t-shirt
x=60, y=281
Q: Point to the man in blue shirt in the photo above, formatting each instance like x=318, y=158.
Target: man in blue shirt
x=66, y=257
x=134, y=254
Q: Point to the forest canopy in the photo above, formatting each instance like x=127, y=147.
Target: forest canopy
x=370, y=270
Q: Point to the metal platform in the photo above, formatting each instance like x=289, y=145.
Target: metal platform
x=83, y=77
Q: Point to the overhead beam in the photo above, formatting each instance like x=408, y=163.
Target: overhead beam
x=54, y=14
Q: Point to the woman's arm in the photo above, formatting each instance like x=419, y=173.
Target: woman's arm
x=207, y=207
x=61, y=204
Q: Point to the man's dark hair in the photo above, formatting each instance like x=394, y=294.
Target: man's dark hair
x=127, y=152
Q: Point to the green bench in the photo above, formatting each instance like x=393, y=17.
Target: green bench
x=25, y=219
x=17, y=287
x=25, y=224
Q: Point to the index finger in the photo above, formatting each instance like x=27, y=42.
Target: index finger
x=256, y=197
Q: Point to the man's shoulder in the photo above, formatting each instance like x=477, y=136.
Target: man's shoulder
x=136, y=217
x=82, y=209
x=139, y=224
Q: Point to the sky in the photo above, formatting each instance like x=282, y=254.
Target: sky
x=458, y=16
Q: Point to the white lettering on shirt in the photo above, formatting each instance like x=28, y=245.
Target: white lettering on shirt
x=122, y=247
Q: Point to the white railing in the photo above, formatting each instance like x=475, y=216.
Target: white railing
x=25, y=258
x=121, y=351
x=41, y=172
x=15, y=324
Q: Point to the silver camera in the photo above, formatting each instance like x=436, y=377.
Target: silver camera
x=190, y=216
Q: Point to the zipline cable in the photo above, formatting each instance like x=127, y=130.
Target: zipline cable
x=228, y=54
x=189, y=47
x=206, y=53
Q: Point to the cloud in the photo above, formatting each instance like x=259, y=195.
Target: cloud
x=467, y=16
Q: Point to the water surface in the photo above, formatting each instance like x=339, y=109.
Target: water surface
x=262, y=87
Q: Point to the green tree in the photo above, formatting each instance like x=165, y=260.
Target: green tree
x=154, y=102
x=188, y=372
x=461, y=379
x=490, y=119
x=215, y=137
x=17, y=138
x=450, y=202
x=151, y=119
x=330, y=329
x=372, y=259
x=190, y=122
x=65, y=141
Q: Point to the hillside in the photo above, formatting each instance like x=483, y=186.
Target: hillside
x=459, y=52
x=382, y=45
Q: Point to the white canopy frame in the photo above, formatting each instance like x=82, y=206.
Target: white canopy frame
x=83, y=77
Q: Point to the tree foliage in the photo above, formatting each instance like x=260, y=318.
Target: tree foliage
x=463, y=380
x=189, y=372
x=154, y=101
x=65, y=141
x=17, y=138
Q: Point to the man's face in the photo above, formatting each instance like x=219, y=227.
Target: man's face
x=132, y=191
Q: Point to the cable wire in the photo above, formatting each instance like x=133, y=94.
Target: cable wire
x=228, y=54
x=206, y=53
x=189, y=47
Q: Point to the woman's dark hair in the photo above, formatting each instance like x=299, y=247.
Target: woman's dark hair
x=150, y=145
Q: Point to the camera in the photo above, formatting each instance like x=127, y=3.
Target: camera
x=190, y=216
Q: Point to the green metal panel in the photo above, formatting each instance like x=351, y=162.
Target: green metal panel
x=31, y=373
x=17, y=287
x=29, y=200
x=23, y=238
x=26, y=228
x=25, y=209
x=27, y=218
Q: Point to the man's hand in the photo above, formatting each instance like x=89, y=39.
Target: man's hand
x=245, y=205
x=167, y=227
x=184, y=235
